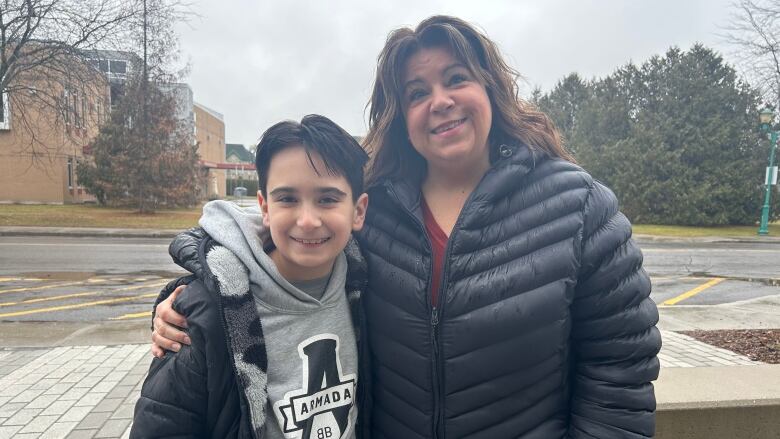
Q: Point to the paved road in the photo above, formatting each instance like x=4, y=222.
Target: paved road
x=100, y=279
x=20, y=254
x=43, y=254
x=751, y=260
x=78, y=299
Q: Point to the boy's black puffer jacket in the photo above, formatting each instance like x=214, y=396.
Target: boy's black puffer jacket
x=198, y=391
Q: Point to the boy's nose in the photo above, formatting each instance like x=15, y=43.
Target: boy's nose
x=309, y=218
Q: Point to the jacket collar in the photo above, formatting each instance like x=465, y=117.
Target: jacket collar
x=514, y=162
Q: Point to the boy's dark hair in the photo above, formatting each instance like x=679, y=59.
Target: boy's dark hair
x=340, y=152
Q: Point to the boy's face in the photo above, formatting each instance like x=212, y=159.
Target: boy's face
x=310, y=216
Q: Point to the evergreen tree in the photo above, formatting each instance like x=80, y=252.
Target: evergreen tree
x=564, y=103
x=675, y=138
x=143, y=166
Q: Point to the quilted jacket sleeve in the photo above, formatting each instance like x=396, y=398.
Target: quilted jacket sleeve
x=184, y=252
x=615, y=341
x=190, y=393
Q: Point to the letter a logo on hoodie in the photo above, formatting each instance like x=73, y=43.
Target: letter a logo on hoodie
x=320, y=409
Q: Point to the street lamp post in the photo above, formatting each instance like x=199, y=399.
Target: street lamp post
x=766, y=117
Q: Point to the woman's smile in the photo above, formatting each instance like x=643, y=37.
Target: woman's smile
x=448, y=126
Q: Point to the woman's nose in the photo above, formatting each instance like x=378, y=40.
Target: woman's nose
x=441, y=100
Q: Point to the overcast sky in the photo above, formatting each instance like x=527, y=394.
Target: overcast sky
x=258, y=62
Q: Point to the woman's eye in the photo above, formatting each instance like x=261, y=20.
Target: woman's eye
x=415, y=95
x=458, y=78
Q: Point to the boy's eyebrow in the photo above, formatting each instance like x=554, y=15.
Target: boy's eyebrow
x=320, y=190
x=283, y=189
x=331, y=190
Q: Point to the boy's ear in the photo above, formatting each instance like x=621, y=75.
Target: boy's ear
x=263, y=209
x=360, y=212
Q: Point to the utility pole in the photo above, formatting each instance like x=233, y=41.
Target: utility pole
x=766, y=119
x=145, y=111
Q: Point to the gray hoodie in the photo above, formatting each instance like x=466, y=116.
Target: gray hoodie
x=310, y=344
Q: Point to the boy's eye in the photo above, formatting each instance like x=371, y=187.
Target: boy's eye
x=286, y=199
x=329, y=200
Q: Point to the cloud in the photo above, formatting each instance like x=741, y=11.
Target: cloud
x=261, y=62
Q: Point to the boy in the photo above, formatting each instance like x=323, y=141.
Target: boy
x=273, y=334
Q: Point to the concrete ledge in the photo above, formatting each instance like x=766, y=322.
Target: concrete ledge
x=727, y=402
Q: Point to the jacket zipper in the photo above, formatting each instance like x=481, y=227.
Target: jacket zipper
x=437, y=312
x=438, y=425
x=433, y=311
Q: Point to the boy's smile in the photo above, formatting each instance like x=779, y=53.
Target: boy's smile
x=309, y=212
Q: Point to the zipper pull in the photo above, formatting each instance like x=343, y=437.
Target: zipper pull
x=434, y=322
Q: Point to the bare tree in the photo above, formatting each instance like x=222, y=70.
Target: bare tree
x=45, y=51
x=754, y=32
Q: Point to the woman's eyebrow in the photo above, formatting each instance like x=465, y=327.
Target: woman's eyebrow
x=412, y=82
x=444, y=72
x=454, y=66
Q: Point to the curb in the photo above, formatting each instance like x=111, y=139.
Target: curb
x=706, y=239
x=83, y=232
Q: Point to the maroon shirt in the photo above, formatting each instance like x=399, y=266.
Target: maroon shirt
x=438, y=245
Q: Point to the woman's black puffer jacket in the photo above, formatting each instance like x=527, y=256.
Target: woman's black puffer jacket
x=544, y=326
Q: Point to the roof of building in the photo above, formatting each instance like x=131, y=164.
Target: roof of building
x=208, y=110
x=113, y=54
x=239, y=151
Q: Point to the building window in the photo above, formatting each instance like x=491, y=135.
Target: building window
x=118, y=67
x=5, y=113
x=65, y=99
x=70, y=172
x=77, y=115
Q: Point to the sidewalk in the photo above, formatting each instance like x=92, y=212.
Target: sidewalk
x=90, y=391
x=72, y=391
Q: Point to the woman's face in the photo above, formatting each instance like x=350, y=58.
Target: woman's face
x=447, y=110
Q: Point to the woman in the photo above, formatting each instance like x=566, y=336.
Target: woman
x=506, y=298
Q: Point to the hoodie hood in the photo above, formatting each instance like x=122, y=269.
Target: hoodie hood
x=241, y=231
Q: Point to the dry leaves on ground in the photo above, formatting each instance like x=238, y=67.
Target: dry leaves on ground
x=757, y=344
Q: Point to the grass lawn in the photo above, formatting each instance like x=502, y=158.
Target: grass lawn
x=75, y=215
x=692, y=232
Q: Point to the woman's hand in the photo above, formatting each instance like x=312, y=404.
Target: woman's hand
x=167, y=334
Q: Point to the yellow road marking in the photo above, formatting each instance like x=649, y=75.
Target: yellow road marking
x=693, y=292
x=45, y=299
x=77, y=305
x=46, y=287
x=137, y=315
x=26, y=279
x=68, y=296
x=138, y=287
x=69, y=284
